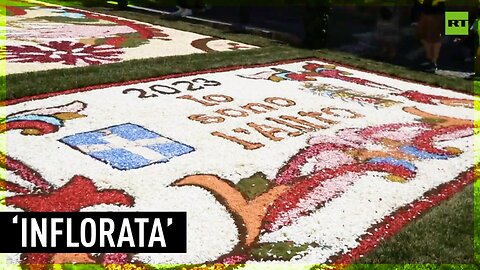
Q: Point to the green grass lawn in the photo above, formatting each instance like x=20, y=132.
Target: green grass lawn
x=443, y=235
x=421, y=242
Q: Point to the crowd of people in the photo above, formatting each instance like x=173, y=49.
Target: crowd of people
x=426, y=17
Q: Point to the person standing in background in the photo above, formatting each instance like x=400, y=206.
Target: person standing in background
x=388, y=31
x=430, y=30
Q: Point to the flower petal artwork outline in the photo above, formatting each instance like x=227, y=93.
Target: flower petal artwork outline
x=274, y=167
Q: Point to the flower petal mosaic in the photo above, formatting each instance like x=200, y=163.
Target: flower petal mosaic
x=300, y=162
x=45, y=36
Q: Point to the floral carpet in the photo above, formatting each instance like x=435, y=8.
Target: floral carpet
x=44, y=37
x=300, y=162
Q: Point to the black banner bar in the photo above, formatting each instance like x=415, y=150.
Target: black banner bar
x=93, y=232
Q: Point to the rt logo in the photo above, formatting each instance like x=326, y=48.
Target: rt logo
x=456, y=23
